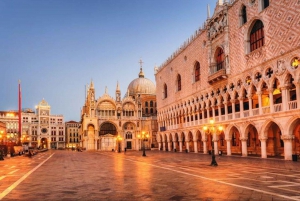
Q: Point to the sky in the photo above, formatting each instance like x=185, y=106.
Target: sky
x=56, y=47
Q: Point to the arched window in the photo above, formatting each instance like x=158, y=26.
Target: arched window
x=257, y=36
x=243, y=15
x=146, y=110
x=197, y=71
x=151, y=110
x=178, y=82
x=151, y=103
x=146, y=104
x=165, y=91
x=220, y=59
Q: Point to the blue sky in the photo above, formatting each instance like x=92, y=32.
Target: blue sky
x=55, y=47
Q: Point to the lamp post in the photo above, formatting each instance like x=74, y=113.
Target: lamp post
x=213, y=131
x=143, y=137
x=119, y=139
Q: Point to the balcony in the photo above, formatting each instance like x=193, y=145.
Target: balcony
x=217, y=73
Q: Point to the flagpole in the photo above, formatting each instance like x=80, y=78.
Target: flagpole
x=20, y=114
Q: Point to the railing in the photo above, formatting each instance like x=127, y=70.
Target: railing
x=292, y=105
x=246, y=113
x=255, y=111
x=278, y=107
x=223, y=117
x=266, y=110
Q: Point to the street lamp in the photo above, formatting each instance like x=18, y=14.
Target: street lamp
x=119, y=139
x=213, y=130
x=143, y=137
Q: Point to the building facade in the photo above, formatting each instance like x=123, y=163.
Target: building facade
x=72, y=134
x=41, y=129
x=115, y=123
x=240, y=69
x=10, y=134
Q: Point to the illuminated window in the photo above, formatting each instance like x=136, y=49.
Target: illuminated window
x=295, y=63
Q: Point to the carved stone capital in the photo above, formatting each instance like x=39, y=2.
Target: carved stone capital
x=287, y=137
x=263, y=138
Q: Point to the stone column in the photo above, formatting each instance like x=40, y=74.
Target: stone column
x=204, y=146
x=233, y=108
x=271, y=100
x=213, y=112
x=174, y=146
x=241, y=107
x=215, y=141
x=207, y=111
x=228, y=141
x=250, y=105
x=159, y=145
x=195, y=146
x=202, y=116
x=219, y=109
x=180, y=146
x=164, y=146
x=284, y=93
x=187, y=145
x=169, y=146
x=244, y=146
x=226, y=111
x=297, y=84
x=263, y=141
x=259, y=102
x=288, y=146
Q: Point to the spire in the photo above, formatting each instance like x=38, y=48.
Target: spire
x=141, y=74
x=92, y=83
x=105, y=89
x=118, y=87
x=220, y=2
x=208, y=11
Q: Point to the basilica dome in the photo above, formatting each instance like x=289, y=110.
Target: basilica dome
x=141, y=85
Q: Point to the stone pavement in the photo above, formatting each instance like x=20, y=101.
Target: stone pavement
x=91, y=175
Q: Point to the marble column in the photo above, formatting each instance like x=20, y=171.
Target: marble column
x=187, y=146
x=226, y=111
x=195, y=146
x=204, y=146
x=169, y=145
x=263, y=141
x=233, y=108
x=259, y=93
x=271, y=100
x=288, y=146
x=180, y=146
x=228, y=141
x=241, y=107
x=250, y=105
x=244, y=146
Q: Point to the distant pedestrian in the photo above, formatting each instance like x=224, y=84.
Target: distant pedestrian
x=125, y=150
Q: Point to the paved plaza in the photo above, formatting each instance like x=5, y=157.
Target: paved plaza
x=71, y=175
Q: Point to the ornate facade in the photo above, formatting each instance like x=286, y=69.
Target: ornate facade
x=41, y=129
x=242, y=70
x=106, y=118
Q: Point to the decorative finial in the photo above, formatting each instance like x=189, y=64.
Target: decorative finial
x=141, y=74
x=208, y=11
x=105, y=89
x=118, y=88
